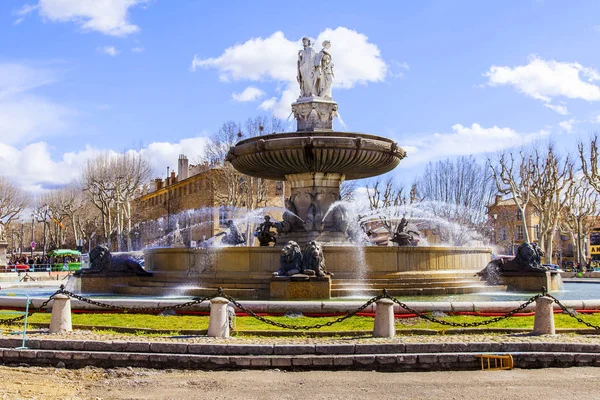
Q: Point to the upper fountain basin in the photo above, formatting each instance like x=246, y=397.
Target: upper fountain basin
x=355, y=155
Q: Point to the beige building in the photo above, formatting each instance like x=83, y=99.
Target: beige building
x=193, y=203
x=508, y=230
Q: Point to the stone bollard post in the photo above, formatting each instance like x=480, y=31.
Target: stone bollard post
x=544, y=317
x=384, y=319
x=218, y=326
x=60, y=321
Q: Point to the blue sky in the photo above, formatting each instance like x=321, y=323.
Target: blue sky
x=443, y=78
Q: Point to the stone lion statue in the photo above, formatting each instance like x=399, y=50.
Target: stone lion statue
x=102, y=262
x=290, y=260
x=313, y=260
x=528, y=259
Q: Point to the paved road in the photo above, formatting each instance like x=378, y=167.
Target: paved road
x=100, y=384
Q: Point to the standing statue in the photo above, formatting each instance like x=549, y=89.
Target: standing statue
x=323, y=75
x=306, y=66
x=2, y=233
x=263, y=232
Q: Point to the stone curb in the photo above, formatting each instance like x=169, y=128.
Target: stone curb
x=122, y=346
x=380, y=362
x=355, y=356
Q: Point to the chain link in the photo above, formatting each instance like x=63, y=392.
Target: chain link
x=298, y=327
x=572, y=313
x=196, y=300
x=462, y=324
x=11, y=321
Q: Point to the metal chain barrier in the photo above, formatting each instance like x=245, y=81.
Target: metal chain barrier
x=11, y=321
x=241, y=307
x=297, y=327
x=462, y=324
x=196, y=300
x=571, y=312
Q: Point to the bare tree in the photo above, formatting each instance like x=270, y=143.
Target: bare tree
x=347, y=190
x=459, y=191
x=13, y=200
x=512, y=174
x=232, y=188
x=385, y=197
x=551, y=189
x=580, y=216
x=110, y=182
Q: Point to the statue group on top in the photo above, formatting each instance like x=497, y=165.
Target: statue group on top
x=315, y=71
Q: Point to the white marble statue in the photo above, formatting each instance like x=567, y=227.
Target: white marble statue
x=306, y=69
x=2, y=233
x=323, y=75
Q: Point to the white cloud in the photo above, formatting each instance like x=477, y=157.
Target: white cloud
x=270, y=103
x=249, y=94
x=138, y=50
x=109, y=50
x=165, y=154
x=24, y=115
x=543, y=80
x=464, y=140
x=567, y=126
x=35, y=166
x=110, y=17
x=562, y=110
x=357, y=61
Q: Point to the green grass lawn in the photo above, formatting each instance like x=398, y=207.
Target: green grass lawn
x=186, y=322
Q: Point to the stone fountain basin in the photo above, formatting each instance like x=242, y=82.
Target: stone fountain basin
x=355, y=155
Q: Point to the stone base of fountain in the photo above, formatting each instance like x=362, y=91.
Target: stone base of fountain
x=300, y=287
x=532, y=281
x=99, y=283
x=246, y=272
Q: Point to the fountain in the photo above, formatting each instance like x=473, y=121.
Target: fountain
x=314, y=161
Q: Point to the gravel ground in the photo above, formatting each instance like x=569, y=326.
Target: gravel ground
x=129, y=383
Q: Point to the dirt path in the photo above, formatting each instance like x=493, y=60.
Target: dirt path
x=94, y=383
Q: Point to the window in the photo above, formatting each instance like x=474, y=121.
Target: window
x=519, y=215
x=503, y=234
x=536, y=232
x=519, y=232
x=223, y=216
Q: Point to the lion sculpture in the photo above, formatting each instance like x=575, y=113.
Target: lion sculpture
x=290, y=260
x=313, y=260
x=102, y=262
x=528, y=259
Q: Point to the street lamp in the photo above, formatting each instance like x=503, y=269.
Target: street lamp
x=495, y=216
x=32, y=241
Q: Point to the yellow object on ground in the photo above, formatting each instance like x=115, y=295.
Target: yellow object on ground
x=505, y=361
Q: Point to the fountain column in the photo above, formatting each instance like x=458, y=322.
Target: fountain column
x=312, y=195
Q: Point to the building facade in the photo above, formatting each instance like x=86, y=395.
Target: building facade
x=195, y=204
x=508, y=230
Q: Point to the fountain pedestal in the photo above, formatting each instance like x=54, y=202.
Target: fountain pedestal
x=312, y=194
x=314, y=114
x=532, y=281
x=300, y=287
